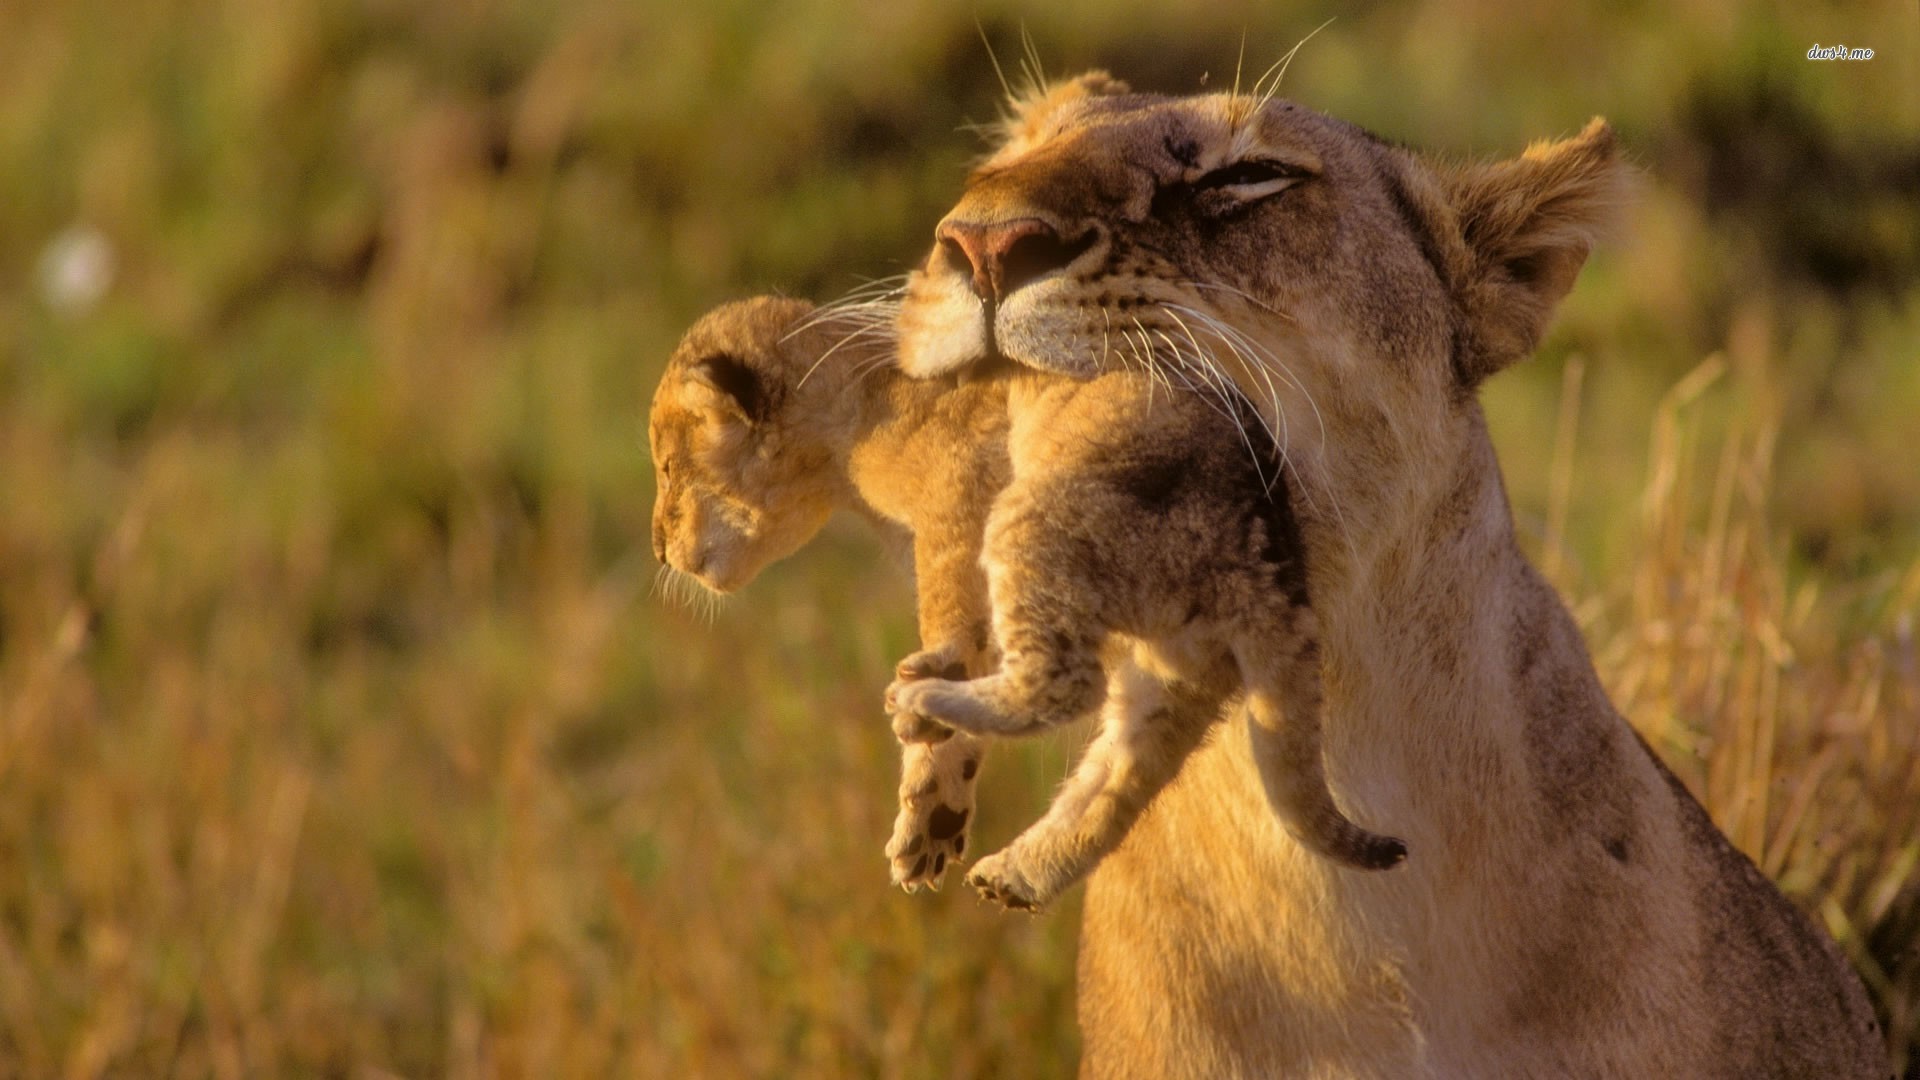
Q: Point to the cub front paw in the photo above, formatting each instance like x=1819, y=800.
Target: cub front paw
x=907, y=706
x=1001, y=878
x=944, y=662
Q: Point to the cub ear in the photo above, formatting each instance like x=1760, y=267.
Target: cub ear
x=736, y=389
x=1527, y=226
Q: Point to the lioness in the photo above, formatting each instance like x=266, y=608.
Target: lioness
x=759, y=431
x=1571, y=910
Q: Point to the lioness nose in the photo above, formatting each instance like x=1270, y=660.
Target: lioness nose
x=1005, y=255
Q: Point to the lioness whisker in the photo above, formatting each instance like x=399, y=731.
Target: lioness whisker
x=1244, y=296
x=1239, y=345
x=1282, y=65
x=1223, y=398
x=1211, y=359
x=1268, y=361
x=881, y=331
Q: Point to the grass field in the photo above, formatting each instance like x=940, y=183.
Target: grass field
x=340, y=733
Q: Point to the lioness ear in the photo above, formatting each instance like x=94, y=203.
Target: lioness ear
x=734, y=388
x=1029, y=108
x=1527, y=226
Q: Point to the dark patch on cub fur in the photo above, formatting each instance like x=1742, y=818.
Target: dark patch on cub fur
x=945, y=822
x=1154, y=483
x=1284, y=549
x=732, y=377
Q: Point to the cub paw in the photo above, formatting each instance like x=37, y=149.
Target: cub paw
x=936, y=802
x=912, y=725
x=907, y=705
x=1002, y=879
x=924, y=841
x=944, y=662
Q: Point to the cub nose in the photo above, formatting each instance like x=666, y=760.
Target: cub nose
x=1004, y=255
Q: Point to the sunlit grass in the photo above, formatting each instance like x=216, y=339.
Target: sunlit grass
x=342, y=726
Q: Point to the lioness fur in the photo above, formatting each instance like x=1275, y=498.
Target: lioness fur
x=1570, y=909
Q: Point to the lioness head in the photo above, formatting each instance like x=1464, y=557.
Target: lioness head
x=742, y=468
x=1356, y=291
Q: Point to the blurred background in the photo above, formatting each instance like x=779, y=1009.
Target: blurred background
x=340, y=731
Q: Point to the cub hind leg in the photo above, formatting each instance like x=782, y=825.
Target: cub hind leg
x=936, y=787
x=1282, y=675
x=1148, y=728
x=936, y=801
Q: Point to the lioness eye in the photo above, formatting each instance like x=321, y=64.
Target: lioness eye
x=1252, y=179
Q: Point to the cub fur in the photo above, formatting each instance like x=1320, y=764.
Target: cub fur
x=757, y=420
x=770, y=416
x=1142, y=524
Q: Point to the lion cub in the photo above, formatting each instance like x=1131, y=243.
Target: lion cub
x=772, y=415
x=759, y=431
x=1139, y=517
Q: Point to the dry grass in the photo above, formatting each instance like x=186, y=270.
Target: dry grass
x=340, y=732
x=1791, y=710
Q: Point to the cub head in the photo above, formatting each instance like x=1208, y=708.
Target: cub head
x=1355, y=291
x=743, y=460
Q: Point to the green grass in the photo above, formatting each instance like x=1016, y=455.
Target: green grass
x=340, y=733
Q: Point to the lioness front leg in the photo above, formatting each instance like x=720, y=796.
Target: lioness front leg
x=1148, y=728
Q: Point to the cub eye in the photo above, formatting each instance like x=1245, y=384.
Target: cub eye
x=1253, y=178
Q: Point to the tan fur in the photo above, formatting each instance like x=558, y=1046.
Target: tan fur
x=759, y=419
x=769, y=417
x=1140, y=524
x=1569, y=910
